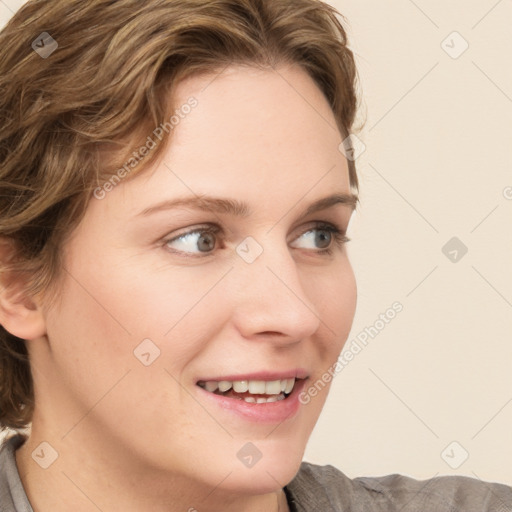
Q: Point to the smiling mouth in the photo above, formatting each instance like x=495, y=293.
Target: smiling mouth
x=251, y=391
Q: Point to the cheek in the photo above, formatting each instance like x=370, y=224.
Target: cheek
x=93, y=334
x=151, y=298
x=334, y=295
x=347, y=294
x=108, y=313
x=90, y=345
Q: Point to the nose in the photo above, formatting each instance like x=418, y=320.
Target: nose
x=271, y=302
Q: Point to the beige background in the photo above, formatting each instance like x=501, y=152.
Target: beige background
x=437, y=165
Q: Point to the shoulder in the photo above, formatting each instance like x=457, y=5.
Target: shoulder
x=328, y=487
x=12, y=494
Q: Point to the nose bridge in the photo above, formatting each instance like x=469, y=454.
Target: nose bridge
x=271, y=295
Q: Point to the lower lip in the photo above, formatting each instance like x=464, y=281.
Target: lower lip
x=271, y=412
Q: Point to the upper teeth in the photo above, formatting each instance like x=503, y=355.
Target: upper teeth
x=255, y=387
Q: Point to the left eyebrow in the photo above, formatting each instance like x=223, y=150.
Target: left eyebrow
x=241, y=209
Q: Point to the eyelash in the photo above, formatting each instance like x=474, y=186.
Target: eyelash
x=340, y=239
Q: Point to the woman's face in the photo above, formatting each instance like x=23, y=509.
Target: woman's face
x=158, y=298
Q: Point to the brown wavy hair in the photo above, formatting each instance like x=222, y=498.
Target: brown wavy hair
x=70, y=118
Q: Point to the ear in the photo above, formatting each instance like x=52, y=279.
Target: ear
x=20, y=315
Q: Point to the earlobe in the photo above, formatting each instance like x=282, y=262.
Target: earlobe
x=20, y=315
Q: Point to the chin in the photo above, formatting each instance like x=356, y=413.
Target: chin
x=277, y=466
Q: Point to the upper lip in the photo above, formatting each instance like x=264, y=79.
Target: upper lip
x=297, y=373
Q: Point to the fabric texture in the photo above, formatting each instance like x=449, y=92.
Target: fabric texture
x=12, y=494
x=326, y=489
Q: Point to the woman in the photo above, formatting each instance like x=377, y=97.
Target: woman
x=177, y=184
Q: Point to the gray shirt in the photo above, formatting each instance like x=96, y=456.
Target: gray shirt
x=326, y=489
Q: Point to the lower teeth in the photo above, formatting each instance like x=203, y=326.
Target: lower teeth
x=257, y=399
x=253, y=399
x=262, y=400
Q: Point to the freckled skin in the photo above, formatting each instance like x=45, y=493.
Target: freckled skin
x=135, y=437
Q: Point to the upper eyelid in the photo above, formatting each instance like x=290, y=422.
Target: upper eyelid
x=215, y=228
x=337, y=215
x=202, y=228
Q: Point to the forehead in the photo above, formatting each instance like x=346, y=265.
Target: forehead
x=254, y=134
x=242, y=106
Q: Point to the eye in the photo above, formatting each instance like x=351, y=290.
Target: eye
x=203, y=239
x=324, y=234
